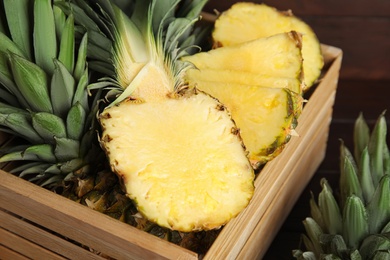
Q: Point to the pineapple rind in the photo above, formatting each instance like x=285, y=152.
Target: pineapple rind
x=248, y=21
x=181, y=160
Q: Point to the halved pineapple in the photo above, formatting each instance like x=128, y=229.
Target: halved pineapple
x=247, y=21
x=177, y=150
x=181, y=160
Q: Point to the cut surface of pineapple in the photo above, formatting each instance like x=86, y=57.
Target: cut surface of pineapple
x=277, y=56
x=195, y=76
x=182, y=160
x=247, y=21
x=265, y=116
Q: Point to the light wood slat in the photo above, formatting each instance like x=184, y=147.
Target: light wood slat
x=25, y=247
x=44, y=238
x=234, y=235
x=77, y=222
x=6, y=253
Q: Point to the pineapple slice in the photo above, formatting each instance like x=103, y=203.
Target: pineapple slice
x=241, y=77
x=251, y=79
x=266, y=116
x=248, y=21
x=278, y=56
x=182, y=160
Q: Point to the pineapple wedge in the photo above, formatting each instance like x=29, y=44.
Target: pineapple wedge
x=194, y=76
x=246, y=21
x=266, y=116
x=277, y=56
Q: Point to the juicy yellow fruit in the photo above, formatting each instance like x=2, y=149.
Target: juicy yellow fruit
x=265, y=116
x=242, y=77
x=260, y=83
x=247, y=21
x=276, y=56
x=181, y=159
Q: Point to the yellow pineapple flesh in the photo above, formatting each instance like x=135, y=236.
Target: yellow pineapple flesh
x=266, y=116
x=247, y=21
x=276, y=56
x=181, y=160
x=260, y=83
x=194, y=76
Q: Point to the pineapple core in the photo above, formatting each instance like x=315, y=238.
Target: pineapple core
x=181, y=160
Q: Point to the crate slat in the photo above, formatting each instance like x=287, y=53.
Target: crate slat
x=39, y=236
x=79, y=223
x=25, y=247
x=6, y=253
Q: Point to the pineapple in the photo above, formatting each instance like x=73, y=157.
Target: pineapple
x=250, y=79
x=44, y=98
x=277, y=56
x=175, y=148
x=357, y=225
x=246, y=21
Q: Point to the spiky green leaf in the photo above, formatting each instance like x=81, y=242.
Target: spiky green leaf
x=19, y=24
x=355, y=221
x=361, y=136
x=45, y=42
x=48, y=126
x=75, y=122
x=330, y=210
x=62, y=89
x=32, y=83
x=67, y=46
x=378, y=208
x=376, y=147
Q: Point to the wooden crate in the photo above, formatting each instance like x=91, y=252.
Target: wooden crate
x=36, y=223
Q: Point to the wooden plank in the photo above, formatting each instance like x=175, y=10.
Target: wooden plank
x=25, y=247
x=318, y=7
x=45, y=239
x=6, y=253
x=86, y=226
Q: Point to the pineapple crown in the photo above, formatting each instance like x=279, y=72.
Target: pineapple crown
x=131, y=34
x=43, y=92
x=357, y=225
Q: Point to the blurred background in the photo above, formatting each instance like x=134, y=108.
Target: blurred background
x=361, y=28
